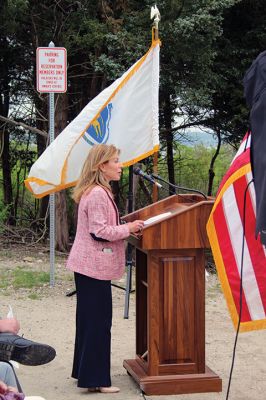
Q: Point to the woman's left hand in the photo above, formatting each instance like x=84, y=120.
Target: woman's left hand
x=136, y=226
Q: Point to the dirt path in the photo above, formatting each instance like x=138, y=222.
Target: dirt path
x=47, y=315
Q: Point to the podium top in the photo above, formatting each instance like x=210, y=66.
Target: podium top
x=177, y=222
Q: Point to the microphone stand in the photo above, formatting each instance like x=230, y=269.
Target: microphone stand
x=129, y=252
x=179, y=187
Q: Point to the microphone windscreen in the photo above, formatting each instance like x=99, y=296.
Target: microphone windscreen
x=136, y=170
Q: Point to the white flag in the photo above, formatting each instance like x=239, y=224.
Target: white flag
x=124, y=114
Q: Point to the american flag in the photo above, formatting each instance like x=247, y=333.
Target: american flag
x=225, y=229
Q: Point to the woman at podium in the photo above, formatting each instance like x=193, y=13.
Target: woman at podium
x=97, y=256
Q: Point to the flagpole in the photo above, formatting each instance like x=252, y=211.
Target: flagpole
x=155, y=36
x=156, y=15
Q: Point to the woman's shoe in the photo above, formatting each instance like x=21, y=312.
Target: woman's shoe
x=109, y=389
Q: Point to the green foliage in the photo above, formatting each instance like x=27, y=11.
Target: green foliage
x=24, y=205
x=207, y=45
x=21, y=278
x=192, y=166
x=243, y=38
x=4, y=212
x=188, y=37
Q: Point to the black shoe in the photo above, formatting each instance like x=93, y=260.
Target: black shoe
x=24, y=351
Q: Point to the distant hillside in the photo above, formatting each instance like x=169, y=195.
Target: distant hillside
x=198, y=137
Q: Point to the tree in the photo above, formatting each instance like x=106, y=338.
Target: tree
x=189, y=38
x=13, y=70
x=200, y=81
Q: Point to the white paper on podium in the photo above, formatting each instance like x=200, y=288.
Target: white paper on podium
x=156, y=218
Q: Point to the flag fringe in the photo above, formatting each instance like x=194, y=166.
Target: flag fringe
x=56, y=188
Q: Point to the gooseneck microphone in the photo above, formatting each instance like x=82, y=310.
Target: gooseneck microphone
x=138, y=171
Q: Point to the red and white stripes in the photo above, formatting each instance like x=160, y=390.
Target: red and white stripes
x=225, y=230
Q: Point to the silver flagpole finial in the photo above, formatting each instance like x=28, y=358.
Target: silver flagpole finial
x=155, y=13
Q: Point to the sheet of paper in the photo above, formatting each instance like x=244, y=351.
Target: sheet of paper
x=156, y=218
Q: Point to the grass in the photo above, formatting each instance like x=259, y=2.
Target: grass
x=213, y=290
x=29, y=279
x=20, y=278
x=4, y=253
x=34, y=296
x=68, y=278
x=4, y=281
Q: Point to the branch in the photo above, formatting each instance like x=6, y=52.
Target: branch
x=25, y=126
x=185, y=126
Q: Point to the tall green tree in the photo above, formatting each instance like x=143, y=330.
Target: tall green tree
x=206, y=47
x=14, y=68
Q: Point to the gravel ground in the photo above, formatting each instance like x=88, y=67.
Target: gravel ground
x=47, y=315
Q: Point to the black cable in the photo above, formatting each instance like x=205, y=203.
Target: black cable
x=143, y=395
x=182, y=195
x=246, y=144
x=240, y=291
x=179, y=187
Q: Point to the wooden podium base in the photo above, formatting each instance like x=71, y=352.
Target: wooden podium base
x=173, y=384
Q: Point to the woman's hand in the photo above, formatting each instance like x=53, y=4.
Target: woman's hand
x=136, y=226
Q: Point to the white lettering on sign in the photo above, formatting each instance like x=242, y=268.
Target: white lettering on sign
x=51, y=69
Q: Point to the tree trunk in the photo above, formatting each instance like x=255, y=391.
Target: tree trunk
x=169, y=141
x=211, y=169
x=4, y=109
x=61, y=221
x=7, y=182
x=42, y=124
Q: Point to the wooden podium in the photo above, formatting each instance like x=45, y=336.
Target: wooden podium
x=170, y=298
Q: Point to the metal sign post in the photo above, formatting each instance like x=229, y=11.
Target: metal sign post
x=52, y=196
x=51, y=78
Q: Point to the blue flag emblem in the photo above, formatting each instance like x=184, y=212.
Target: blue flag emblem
x=98, y=131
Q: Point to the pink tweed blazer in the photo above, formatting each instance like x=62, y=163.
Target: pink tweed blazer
x=98, y=214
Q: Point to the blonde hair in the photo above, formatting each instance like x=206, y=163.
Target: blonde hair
x=91, y=174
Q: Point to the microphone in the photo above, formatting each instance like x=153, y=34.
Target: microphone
x=138, y=171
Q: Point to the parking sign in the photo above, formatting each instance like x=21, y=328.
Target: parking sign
x=51, y=69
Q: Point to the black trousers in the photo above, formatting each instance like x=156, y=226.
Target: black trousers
x=91, y=365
